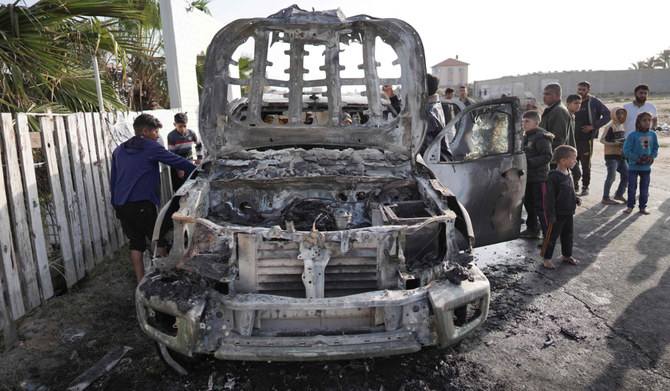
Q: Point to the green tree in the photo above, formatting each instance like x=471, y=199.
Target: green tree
x=47, y=51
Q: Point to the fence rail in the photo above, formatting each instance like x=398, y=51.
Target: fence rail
x=55, y=212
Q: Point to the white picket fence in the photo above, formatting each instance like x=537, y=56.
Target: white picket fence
x=55, y=214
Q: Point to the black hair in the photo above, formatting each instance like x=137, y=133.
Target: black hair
x=584, y=84
x=144, y=121
x=641, y=87
x=573, y=97
x=180, y=118
x=532, y=114
x=449, y=90
x=638, y=124
x=432, y=84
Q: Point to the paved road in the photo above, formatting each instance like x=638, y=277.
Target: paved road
x=602, y=325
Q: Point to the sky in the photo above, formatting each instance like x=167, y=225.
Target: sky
x=502, y=38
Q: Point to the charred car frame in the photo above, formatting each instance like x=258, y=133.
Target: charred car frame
x=301, y=237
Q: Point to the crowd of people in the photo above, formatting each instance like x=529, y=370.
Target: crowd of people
x=559, y=148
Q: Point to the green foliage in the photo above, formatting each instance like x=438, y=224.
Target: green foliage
x=662, y=60
x=47, y=51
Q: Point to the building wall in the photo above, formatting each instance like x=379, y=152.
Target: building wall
x=603, y=83
x=187, y=33
x=451, y=76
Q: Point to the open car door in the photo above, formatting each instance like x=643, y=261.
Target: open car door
x=488, y=171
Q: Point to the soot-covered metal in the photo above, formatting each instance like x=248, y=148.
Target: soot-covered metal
x=300, y=238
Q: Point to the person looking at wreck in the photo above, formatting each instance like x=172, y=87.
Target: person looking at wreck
x=537, y=147
x=560, y=202
x=180, y=142
x=134, y=184
x=555, y=118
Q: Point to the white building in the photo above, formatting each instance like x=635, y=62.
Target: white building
x=451, y=72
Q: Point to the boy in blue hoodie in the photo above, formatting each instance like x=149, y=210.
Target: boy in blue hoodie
x=135, y=185
x=640, y=148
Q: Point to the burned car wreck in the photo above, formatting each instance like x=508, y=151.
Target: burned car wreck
x=301, y=237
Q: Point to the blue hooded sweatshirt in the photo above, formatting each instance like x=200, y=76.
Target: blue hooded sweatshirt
x=135, y=174
x=641, y=148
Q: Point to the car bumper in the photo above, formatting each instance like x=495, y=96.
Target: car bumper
x=196, y=319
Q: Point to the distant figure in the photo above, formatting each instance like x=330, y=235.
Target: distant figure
x=180, y=142
x=573, y=103
x=537, y=147
x=613, y=136
x=395, y=101
x=592, y=114
x=134, y=184
x=463, y=92
x=435, y=119
x=639, y=105
x=560, y=203
x=640, y=148
x=555, y=118
x=448, y=108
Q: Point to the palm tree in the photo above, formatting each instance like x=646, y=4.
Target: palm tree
x=650, y=62
x=47, y=49
x=639, y=65
x=663, y=59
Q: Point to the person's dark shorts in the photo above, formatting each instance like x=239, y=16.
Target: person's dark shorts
x=137, y=220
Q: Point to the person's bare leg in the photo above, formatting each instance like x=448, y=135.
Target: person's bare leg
x=548, y=264
x=161, y=251
x=138, y=263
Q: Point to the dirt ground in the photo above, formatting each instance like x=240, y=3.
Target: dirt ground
x=72, y=331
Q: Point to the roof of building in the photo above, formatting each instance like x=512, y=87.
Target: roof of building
x=450, y=62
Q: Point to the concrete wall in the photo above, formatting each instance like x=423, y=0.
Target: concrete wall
x=186, y=33
x=602, y=83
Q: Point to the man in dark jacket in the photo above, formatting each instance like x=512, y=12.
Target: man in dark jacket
x=592, y=114
x=134, y=184
x=537, y=147
x=555, y=118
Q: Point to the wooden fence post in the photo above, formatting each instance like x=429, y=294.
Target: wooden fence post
x=91, y=198
x=100, y=197
x=80, y=191
x=71, y=202
x=33, y=203
x=103, y=158
x=17, y=203
x=49, y=148
x=10, y=264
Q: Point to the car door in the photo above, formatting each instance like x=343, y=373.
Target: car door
x=488, y=171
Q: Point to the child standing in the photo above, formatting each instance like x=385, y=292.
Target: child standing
x=613, y=138
x=559, y=204
x=641, y=148
x=537, y=147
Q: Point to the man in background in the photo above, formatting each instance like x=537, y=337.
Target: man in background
x=639, y=105
x=592, y=114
